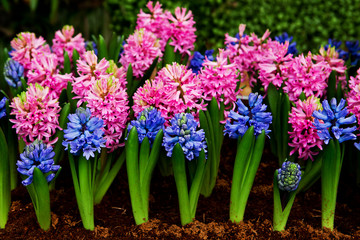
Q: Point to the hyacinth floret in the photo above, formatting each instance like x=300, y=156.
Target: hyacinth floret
x=197, y=60
x=219, y=79
x=148, y=123
x=84, y=133
x=36, y=114
x=3, y=107
x=289, y=176
x=65, y=41
x=303, y=137
x=141, y=49
x=254, y=115
x=286, y=38
x=353, y=52
x=37, y=155
x=183, y=131
x=13, y=72
x=328, y=122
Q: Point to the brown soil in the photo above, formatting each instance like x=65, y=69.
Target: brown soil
x=114, y=220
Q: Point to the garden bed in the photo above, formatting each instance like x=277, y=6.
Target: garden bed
x=114, y=218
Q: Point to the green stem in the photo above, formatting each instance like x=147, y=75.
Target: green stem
x=132, y=166
x=330, y=174
x=107, y=179
x=42, y=206
x=178, y=160
x=153, y=158
x=311, y=175
x=281, y=216
x=197, y=183
x=242, y=155
x=87, y=192
x=5, y=192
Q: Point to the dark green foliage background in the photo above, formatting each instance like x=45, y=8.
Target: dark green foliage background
x=311, y=22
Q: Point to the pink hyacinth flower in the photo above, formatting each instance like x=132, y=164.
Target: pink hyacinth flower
x=273, y=66
x=36, y=115
x=182, y=30
x=306, y=76
x=26, y=47
x=140, y=50
x=219, y=79
x=331, y=56
x=156, y=22
x=89, y=71
x=304, y=138
x=64, y=40
x=353, y=96
x=44, y=72
x=174, y=90
x=108, y=101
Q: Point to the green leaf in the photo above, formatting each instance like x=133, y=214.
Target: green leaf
x=169, y=54
x=331, y=91
x=67, y=65
x=102, y=53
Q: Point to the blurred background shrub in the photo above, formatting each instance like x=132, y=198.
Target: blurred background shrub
x=310, y=22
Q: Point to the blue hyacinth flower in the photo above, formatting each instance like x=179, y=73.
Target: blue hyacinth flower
x=197, y=61
x=84, y=133
x=292, y=45
x=329, y=121
x=13, y=72
x=254, y=115
x=37, y=155
x=289, y=176
x=183, y=131
x=148, y=124
x=3, y=107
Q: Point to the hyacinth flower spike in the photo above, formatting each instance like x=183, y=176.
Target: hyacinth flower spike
x=186, y=146
x=146, y=131
x=328, y=124
x=36, y=165
x=286, y=182
x=249, y=125
x=83, y=140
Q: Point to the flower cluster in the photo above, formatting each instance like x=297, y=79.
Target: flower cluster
x=183, y=131
x=179, y=28
x=289, y=176
x=3, y=107
x=36, y=114
x=89, y=71
x=140, y=50
x=148, y=123
x=174, y=90
x=197, y=60
x=353, y=96
x=182, y=31
x=84, y=133
x=156, y=22
x=303, y=137
x=13, y=72
x=247, y=52
x=26, y=47
x=64, y=41
x=328, y=122
x=108, y=100
x=44, y=71
x=219, y=79
x=306, y=76
x=37, y=155
x=273, y=66
x=245, y=117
